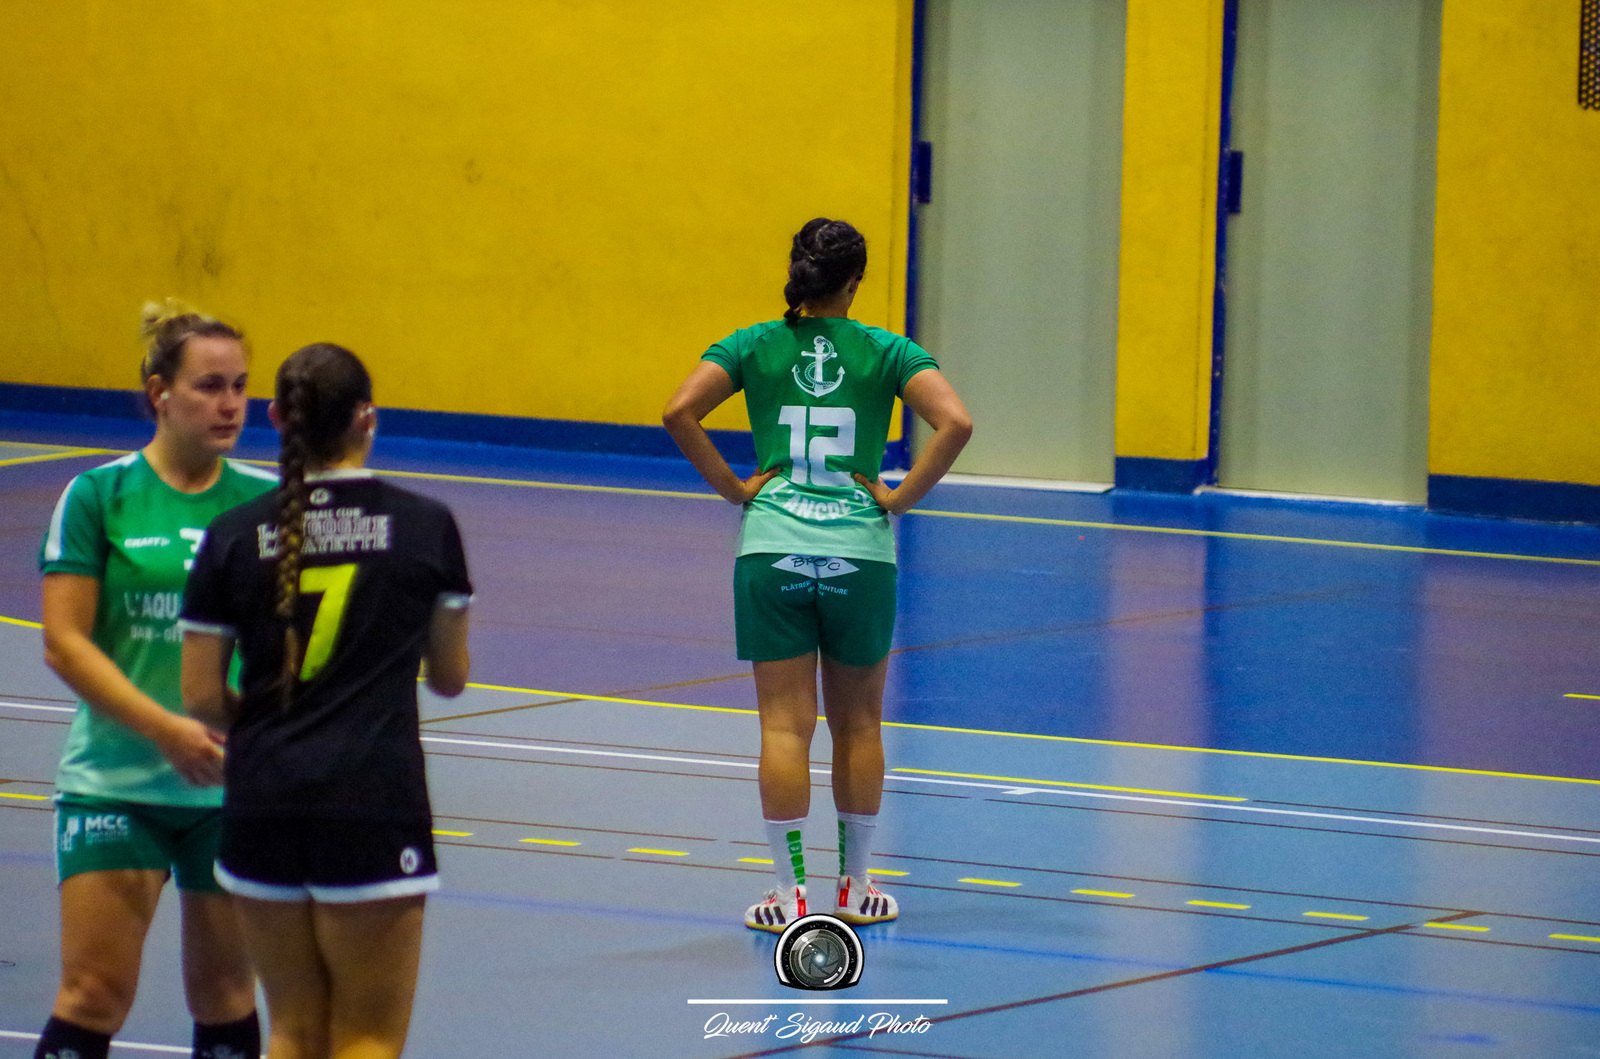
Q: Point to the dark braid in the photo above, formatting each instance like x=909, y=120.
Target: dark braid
x=319, y=390
x=291, y=522
x=825, y=256
x=166, y=327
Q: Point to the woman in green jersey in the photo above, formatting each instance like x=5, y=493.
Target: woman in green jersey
x=138, y=790
x=815, y=574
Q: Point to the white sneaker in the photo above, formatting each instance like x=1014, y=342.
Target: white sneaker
x=862, y=902
x=777, y=910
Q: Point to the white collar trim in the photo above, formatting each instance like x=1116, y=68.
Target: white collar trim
x=340, y=475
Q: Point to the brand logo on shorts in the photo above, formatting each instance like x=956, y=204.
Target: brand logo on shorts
x=811, y=380
x=105, y=827
x=320, y=496
x=410, y=860
x=70, y=834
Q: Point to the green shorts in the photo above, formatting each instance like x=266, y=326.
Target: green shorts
x=104, y=834
x=789, y=605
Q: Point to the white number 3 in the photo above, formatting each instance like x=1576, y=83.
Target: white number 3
x=810, y=462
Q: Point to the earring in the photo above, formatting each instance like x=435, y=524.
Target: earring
x=166, y=395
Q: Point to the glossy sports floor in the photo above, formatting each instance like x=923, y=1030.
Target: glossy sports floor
x=1168, y=778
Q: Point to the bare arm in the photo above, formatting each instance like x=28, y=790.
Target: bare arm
x=706, y=388
x=206, y=695
x=930, y=395
x=446, y=658
x=70, y=601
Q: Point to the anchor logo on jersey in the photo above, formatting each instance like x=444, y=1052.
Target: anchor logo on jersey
x=812, y=380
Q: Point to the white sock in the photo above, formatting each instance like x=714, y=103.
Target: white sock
x=788, y=858
x=855, y=843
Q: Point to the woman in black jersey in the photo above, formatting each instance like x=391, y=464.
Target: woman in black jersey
x=335, y=588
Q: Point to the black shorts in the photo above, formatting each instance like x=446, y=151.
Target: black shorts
x=316, y=859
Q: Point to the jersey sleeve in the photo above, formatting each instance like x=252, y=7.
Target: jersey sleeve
x=207, y=603
x=728, y=354
x=910, y=358
x=76, y=541
x=457, y=591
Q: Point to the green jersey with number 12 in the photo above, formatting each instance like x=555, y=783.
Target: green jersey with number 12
x=123, y=526
x=820, y=396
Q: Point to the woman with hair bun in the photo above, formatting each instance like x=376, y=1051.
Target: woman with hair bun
x=335, y=588
x=138, y=790
x=815, y=575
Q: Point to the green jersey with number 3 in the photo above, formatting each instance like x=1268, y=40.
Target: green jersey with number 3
x=820, y=396
x=135, y=534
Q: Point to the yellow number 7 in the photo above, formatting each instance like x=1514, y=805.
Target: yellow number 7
x=334, y=584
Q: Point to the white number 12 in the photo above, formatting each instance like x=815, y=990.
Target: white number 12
x=810, y=462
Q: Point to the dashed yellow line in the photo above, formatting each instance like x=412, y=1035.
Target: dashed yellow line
x=754, y=860
x=1335, y=915
x=26, y=797
x=1217, y=904
x=885, y=871
x=453, y=834
x=1457, y=926
x=18, y=621
x=663, y=852
x=565, y=842
x=1065, y=783
x=1577, y=696
x=1573, y=937
x=1101, y=893
x=989, y=882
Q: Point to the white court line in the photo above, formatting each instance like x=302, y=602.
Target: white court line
x=52, y=709
x=1012, y=788
x=779, y=1002
x=136, y=1046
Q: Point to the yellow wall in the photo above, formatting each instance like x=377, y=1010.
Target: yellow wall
x=538, y=208
x=1516, y=323
x=1170, y=139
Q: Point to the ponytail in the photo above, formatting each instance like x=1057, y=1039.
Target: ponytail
x=319, y=390
x=291, y=524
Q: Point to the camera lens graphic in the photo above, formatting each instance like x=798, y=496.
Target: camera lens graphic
x=819, y=952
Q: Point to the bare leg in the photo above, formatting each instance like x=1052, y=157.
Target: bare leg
x=786, y=694
x=371, y=950
x=282, y=939
x=853, y=699
x=217, y=977
x=104, y=918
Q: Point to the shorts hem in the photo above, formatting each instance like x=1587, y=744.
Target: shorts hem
x=331, y=895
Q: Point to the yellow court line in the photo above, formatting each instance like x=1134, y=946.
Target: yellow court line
x=561, y=842
x=1024, y=735
x=754, y=860
x=1335, y=915
x=74, y=454
x=1134, y=528
x=1575, y=696
x=885, y=871
x=454, y=834
x=1572, y=937
x=26, y=797
x=934, y=513
x=1061, y=738
x=1101, y=893
x=989, y=882
x=1457, y=926
x=18, y=621
x=662, y=852
x=1216, y=904
x=40, y=445
x=1064, y=783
